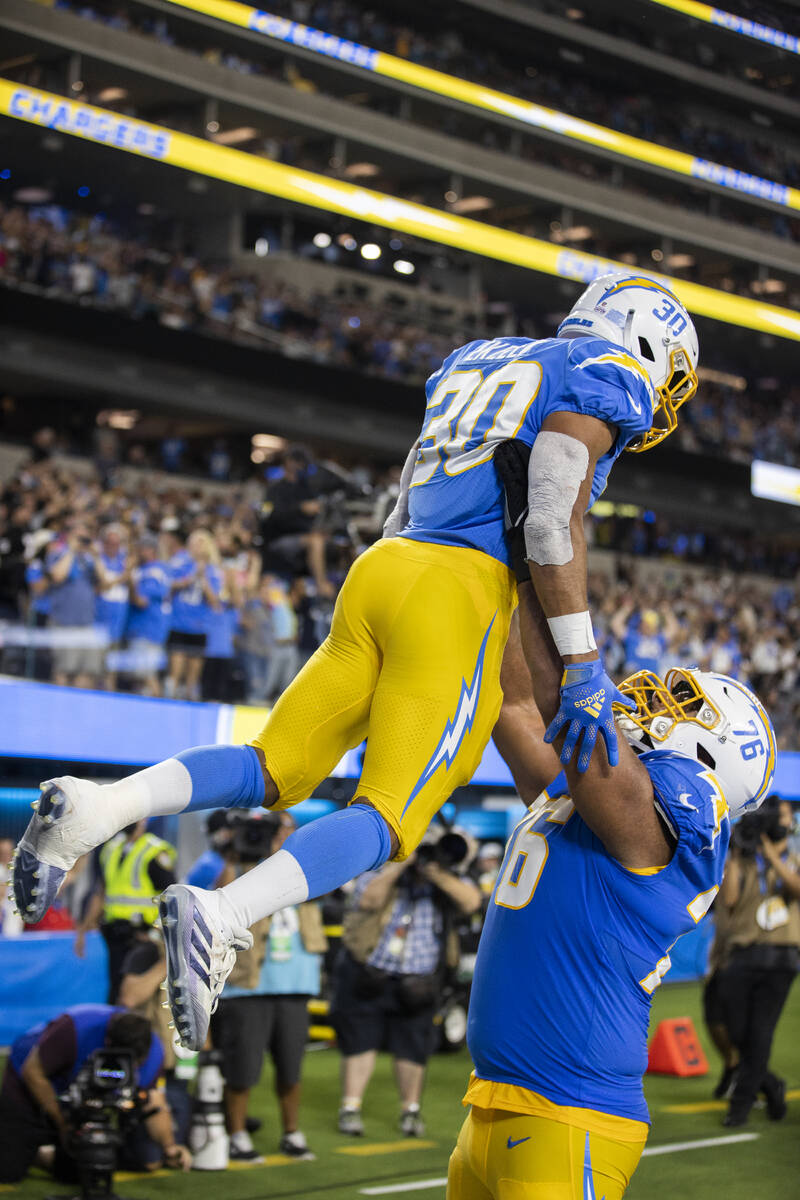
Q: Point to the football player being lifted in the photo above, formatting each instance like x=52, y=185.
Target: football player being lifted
x=413, y=656
x=602, y=875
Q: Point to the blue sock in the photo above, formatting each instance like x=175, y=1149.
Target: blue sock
x=223, y=777
x=336, y=848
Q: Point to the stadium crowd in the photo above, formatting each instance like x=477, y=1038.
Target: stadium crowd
x=566, y=89
x=96, y=261
x=184, y=589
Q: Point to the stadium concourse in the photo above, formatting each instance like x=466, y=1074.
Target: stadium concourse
x=234, y=243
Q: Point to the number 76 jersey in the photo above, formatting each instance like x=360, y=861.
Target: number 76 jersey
x=574, y=944
x=488, y=391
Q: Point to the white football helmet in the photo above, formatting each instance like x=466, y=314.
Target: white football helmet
x=648, y=320
x=709, y=717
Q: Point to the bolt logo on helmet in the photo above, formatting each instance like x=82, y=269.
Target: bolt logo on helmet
x=648, y=320
x=708, y=717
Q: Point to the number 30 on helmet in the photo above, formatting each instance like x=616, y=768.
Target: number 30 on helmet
x=648, y=320
x=709, y=717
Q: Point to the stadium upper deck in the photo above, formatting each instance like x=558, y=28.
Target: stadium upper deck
x=520, y=174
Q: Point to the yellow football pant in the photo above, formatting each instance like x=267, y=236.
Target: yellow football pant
x=413, y=661
x=513, y=1156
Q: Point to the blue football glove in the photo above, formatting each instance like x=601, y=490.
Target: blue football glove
x=587, y=694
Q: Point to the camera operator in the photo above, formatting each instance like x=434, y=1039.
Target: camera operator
x=761, y=891
x=388, y=977
x=206, y=870
x=47, y=1060
x=264, y=1007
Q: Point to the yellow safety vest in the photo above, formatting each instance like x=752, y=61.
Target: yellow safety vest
x=130, y=895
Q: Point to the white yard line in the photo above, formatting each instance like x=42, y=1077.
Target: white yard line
x=676, y=1147
x=421, y=1185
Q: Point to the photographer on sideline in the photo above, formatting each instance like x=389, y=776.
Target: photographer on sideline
x=761, y=891
x=264, y=1007
x=48, y=1058
x=398, y=937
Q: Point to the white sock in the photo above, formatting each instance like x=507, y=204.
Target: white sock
x=275, y=883
x=155, y=792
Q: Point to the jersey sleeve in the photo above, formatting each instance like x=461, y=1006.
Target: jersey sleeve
x=690, y=800
x=604, y=381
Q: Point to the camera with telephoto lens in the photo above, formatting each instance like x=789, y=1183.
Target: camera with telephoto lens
x=252, y=836
x=766, y=821
x=100, y=1107
x=448, y=851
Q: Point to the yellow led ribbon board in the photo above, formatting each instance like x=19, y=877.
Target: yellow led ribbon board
x=48, y=111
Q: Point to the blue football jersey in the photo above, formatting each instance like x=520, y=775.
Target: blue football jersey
x=488, y=391
x=574, y=944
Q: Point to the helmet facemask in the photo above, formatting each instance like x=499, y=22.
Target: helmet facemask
x=680, y=386
x=662, y=704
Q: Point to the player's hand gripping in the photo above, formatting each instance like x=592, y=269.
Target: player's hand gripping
x=587, y=695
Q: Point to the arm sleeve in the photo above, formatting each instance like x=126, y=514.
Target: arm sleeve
x=398, y=517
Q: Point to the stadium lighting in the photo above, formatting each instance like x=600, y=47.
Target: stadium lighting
x=262, y=247
x=470, y=204
x=112, y=95
x=403, y=266
x=268, y=442
x=203, y=160
x=347, y=241
x=234, y=137
x=361, y=170
x=371, y=251
x=322, y=240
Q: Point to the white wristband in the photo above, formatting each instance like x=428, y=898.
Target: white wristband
x=572, y=633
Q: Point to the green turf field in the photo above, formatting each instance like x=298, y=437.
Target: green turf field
x=765, y=1168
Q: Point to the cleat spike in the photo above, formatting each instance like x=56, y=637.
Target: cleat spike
x=36, y=874
x=171, y=1025
x=31, y=908
x=34, y=891
x=165, y=1004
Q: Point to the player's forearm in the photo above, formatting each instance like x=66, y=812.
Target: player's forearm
x=562, y=589
x=544, y=661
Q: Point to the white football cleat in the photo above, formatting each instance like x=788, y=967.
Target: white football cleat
x=69, y=820
x=201, y=951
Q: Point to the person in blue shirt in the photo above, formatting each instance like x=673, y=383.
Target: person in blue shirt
x=78, y=645
x=148, y=613
x=111, y=605
x=45, y=1060
x=413, y=656
x=264, y=1010
x=197, y=582
x=601, y=876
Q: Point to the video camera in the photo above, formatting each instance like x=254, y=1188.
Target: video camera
x=448, y=851
x=101, y=1105
x=766, y=821
x=252, y=835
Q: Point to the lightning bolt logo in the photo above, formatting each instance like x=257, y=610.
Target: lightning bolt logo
x=456, y=730
x=588, y=1180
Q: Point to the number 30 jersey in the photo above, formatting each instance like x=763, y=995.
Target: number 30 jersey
x=574, y=945
x=488, y=391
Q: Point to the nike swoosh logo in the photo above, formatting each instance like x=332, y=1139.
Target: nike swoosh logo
x=518, y=1142
x=635, y=403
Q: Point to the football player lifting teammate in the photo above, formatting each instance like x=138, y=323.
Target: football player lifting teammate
x=413, y=656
